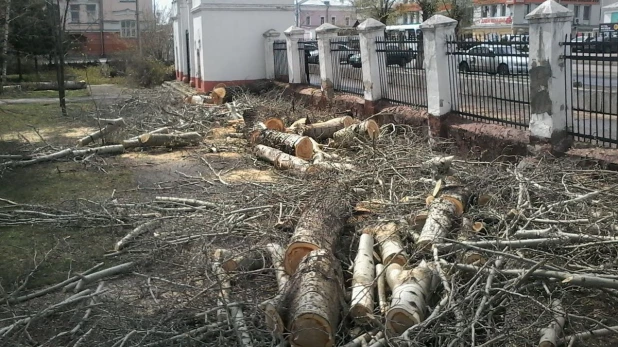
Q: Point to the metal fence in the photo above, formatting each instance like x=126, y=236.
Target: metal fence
x=402, y=75
x=489, y=80
x=346, y=78
x=309, y=62
x=280, y=53
x=591, y=90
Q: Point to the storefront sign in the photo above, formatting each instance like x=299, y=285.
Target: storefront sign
x=494, y=21
x=608, y=27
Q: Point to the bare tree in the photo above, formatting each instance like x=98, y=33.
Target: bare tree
x=382, y=10
x=58, y=22
x=5, y=43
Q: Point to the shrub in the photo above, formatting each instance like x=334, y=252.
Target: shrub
x=146, y=72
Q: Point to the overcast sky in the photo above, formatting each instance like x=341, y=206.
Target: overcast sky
x=162, y=4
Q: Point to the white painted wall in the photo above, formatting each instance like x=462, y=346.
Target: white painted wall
x=197, y=50
x=177, y=60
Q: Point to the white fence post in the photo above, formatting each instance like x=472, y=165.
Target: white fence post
x=549, y=24
x=269, y=55
x=436, y=31
x=368, y=32
x=325, y=33
x=293, y=35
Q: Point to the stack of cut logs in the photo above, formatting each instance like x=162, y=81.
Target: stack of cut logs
x=299, y=148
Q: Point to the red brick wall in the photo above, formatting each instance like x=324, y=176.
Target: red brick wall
x=113, y=44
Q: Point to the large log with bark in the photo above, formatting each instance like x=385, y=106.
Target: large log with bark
x=325, y=130
x=68, y=85
x=410, y=298
x=318, y=228
x=449, y=205
x=311, y=303
x=170, y=140
x=391, y=247
x=367, y=130
x=300, y=146
x=283, y=161
x=361, y=306
x=105, y=128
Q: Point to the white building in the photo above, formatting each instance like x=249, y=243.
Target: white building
x=609, y=15
x=221, y=41
x=313, y=13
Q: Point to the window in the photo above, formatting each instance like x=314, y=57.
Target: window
x=527, y=8
x=347, y=21
x=484, y=11
x=321, y=20
x=576, y=11
x=332, y=20
x=128, y=28
x=494, y=10
x=91, y=10
x=74, y=13
x=586, y=12
x=503, y=10
x=308, y=20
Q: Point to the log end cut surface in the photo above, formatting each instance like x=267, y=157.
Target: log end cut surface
x=275, y=124
x=304, y=148
x=399, y=320
x=310, y=330
x=295, y=254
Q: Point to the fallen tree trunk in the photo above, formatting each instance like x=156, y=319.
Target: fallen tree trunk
x=325, y=130
x=311, y=303
x=113, y=149
x=448, y=205
x=391, y=248
x=68, y=85
x=281, y=160
x=134, y=141
x=367, y=130
x=409, y=299
x=551, y=333
x=318, y=228
x=108, y=127
x=361, y=306
x=170, y=140
x=300, y=146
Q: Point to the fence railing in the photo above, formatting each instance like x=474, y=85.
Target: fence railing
x=346, y=77
x=489, y=80
x=402, y=75
x=592, y=96
x=309, y=62
x=280, y=54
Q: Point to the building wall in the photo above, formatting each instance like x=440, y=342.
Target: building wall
x=316, y=14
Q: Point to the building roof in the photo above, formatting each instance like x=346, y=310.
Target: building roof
x=613, y=6
x=345, y=3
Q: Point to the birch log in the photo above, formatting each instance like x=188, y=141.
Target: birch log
x=325, y=130
x=311, y=303
x=361, y=306
x=281, y=160
x=111, y=149
x=318, y=228
x=134, y=141
x=274, y=124
x=367, y=130
x=108, y=127
x=381, y=274
x=141, y=229
x=554, y=330
x=248, y=261
x=300, y=146
x=391, y=248
x=273, y=319
x=467, y=233
x=170, y=140
x=446, y=207
x=409, y=299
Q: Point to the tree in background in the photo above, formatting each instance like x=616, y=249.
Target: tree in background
x=58, y=21
x=157, y=36
x=383, y=10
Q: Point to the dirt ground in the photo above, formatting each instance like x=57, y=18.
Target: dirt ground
x=59, y=219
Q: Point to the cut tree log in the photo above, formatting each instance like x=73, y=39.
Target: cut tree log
x=410, y=299
x=311, y=304
x=391, y=247
x=297, y=125
x=551, y=333
x=170, y=140
x=449, y=205
x=361, y=306
x=439, y=166
x=300, y=146
x=366, y=130
x=318, y=227
x=273, y=319
x=467, y=233
x=112, y=149
x=325, y=130
x=106, y=128
x=274, y=124
x=68, y=85
x=277, y=255
x=249, y=261
x=382, y=303
x=281, y=160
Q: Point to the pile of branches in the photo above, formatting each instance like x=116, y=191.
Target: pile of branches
x=408, y=247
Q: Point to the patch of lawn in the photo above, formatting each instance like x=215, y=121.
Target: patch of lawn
x=43, y=94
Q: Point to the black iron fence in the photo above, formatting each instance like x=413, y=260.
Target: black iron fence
x=280, y=53
x=402, y=75
x=309, y=62
x=489, y=80
x=591, y=91
x=346, y=78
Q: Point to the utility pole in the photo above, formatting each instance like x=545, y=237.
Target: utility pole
x=139, y=35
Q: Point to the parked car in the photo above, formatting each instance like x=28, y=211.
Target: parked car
x=394, y=56
x=468, y=43
x=577, y=43
x=498, y=59
x=341, y=52
x=606, y=43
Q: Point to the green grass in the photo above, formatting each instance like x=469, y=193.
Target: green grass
x=43, y=94
x=90, y=74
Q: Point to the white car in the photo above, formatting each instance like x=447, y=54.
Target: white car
x=500, y=59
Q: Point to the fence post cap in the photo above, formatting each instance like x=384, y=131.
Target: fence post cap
x=550, y=9
x=370, y=25
x=294, y=31
x=327, y=28
x=437, y=21
x=271, y=33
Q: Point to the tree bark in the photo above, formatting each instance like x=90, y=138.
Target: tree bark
x=311, y=303
x=409, y=299
x=318, y=228
x=282, y=161
x=551, y=333
x=325, y=130
x=391, y=248
x=361, y=306
x=5, y=45
x=300, y=146
x=380, y=272
x=170, y=140
x=110, y=126
x=367, y=130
